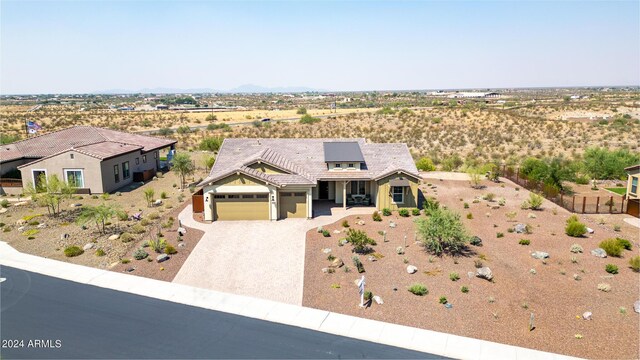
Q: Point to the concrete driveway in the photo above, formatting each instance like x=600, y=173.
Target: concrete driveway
x=263, y=259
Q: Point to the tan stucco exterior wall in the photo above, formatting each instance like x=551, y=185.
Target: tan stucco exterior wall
x=90, y=167
x=108, y=178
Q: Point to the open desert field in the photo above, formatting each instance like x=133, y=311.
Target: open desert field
x=557, y=290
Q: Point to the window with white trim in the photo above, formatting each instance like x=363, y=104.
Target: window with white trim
x=397, y=194
x=634, y=185
x=125, y=170
x=116, y=173
x=358, y=187
x=74, y=177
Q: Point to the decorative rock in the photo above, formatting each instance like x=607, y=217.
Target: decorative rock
x=3, y=210
x=392, y=224
x=412, y=269
x=337, y=262
x=182, y=231
x=89, y=246
x=587, y=315
x=336, y=231
x=599, y=252
x=372, y=258
x=344, y=241
x=75, y=205
x=64, y=236
x=484, y=273
x=129, y=269
x=540, y=255
x=114, y=237
x=162, y=257
x=448, y=305
x=325, y=270
x=326, y=250
x=636, y=306
x=399, y=250
x=319, y=229
x=21, y=222
x=531, y=216
x=21, y=203
x=41, y=226
x=471, y=274
x=21, y=228
x=181, y=245
x=590, y=230
x=520, y=228
x=378, y=300
x=360, y=222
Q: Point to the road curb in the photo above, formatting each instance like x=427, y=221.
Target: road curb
x=428, y=341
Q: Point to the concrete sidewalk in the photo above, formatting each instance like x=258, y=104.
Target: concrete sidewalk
x=358, y=328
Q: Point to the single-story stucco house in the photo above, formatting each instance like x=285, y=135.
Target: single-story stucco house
x=271, y=179
x=93, y=159
x=633, y=195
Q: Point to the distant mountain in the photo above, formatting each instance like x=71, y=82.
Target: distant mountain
x=247, y=88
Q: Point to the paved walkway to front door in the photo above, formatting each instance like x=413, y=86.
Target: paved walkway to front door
x=257, y=258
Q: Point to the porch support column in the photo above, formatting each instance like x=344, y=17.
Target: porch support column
x=344, y=195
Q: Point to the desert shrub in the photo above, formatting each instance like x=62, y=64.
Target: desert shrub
x=158, y=245
x=326, y=233
x=211, y=143
x=464, y=289
x=72, y=251
x=534, y=202
x=4, y=203
x=122, y=216
x=499, y=235
x=576, y=248
x=31, y=232
x=140, y=254
x=634, y=263
x=137, y=229
x=308, y=119
x=612, y=247
x=34, y=222
x=368, y=295
x=489, y=196
x=430, y=204
x=572, y=218
x=442, y=300
x=418, y=289
x=466, y=205
x=415, y=212
x=442, y=232
x=376, y=216
x=125, y=261
x=611, y=269
x=524, y=242
x=475, y=241
x=154, y=216
x=2, y=224
x=345, y=224
x=360, y=240
x=386, y=212
x=626, y=244
x=403, y=212
x=170, y=250
x=100, y=252
x=145, y=222
x=604, y=287
x=163, y=195
x=477, y=263
x=425, y=164
x=126, y=237
x=575, y=229
x=470, y=216
x=454, y=276
x=358, y=263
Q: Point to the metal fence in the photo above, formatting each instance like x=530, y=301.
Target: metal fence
x=614, y=204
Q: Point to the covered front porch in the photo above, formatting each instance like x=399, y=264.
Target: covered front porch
x=346, y=193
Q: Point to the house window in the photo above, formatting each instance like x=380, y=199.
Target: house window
x=125, y=170
x=144, y=159
x=634, y=185
x=299, y=194
x=397, y=192
x=262, y=196
x=155, y=155
x=137, y=161
x=218, y=196
x=71, y=155
x=350, y=166
x=338, y=165
x=233, y=196
x=74, y=177
x=247, y=196
x=116, y=173
x=358, y=188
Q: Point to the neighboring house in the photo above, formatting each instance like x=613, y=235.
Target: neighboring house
x=93, y=159
x=633, y=206
x=271, y=179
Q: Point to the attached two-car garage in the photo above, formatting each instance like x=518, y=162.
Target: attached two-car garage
x=240, y=207
x=293, y=205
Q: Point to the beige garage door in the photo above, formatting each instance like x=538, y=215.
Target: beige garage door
x=293, y=205
x=241, y=207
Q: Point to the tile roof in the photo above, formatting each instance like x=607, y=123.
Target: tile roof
x=304, y=160
x=100, y=143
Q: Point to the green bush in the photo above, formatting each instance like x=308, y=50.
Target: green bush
x=360, y=240
x=572, y=218
x=626, y=244
x=345, y=224
x=125, y=261
x=464, y=289
x=308, y=119
x=418, y=289
x=634, y=263
x=442, y=300
x=126, y=237
x=386, y=212
x=4, y=203
x=211, y=143
x=534, y=203
x=100, y=252
x=415, y=212
x=33, y=223
x=466, y=205
x=524, y=242
x=72, y=251
x=499, y=235
x=326, y=233
x=575, y=229
x=430, y=204
x=138, y=229
x=140, y=254
x=611, y=269
x=376, y=216
x=157, y=245
x=612, y=247
x=368, y=295
x=454, y=276
x=358, y=263
x=425, y=164
x=403, y=212
x=470, y=216
x=442, y=232
x=170, y=250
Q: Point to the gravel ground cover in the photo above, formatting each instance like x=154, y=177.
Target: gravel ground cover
x=523, y=285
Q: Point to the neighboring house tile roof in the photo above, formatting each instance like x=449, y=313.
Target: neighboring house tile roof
x=97, y=142
x=304, y=160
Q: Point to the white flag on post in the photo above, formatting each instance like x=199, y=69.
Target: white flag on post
x=361, y=285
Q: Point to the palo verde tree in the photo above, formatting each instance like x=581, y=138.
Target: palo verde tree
x=50, y=192
x=99, y=215
x=183, y=165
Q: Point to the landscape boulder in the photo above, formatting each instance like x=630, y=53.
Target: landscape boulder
x=21, y=222
x=636, y=306
x=89, y=246
x=64, y=236
x=520, y=228
x=599, y=252
x=484, y=273
x=326, y=250
x=21, y=228
x=360, y=222
x=392, y=224
x=114, y=237
x=182, y=231
x=587, y=315
x=162, y=257
x=412, y=269
x=590, y=230
x=378, y=300
x=157, y=202
x=75, y=205
x=3, y=210
x=399, y=250
x=41, y=226
x=539, y=255
x=336, y=231
x=181, y=245
x=371, y=258
x=337, y=262
x=344, y=242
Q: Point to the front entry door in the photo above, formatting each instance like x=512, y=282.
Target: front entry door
x=323, y=190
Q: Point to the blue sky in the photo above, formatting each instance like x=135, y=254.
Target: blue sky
x=86, y=46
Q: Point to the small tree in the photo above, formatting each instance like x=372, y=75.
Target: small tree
x=50, y=192
x=98, y=214
x=209, y=161
x=211, y=143
x=301, y=111
x=442, y=232
x=183, y=165
x=425, y=164
x=359, y=240
x=148, y=196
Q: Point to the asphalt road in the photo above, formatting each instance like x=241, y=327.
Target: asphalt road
x=74, y=320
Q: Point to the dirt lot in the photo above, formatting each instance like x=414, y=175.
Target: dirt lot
x=499, y=310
